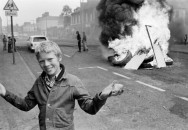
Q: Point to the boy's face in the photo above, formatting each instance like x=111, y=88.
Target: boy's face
x=49, y=63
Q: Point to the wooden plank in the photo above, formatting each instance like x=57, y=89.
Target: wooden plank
x=159, y=56
x=135, y=62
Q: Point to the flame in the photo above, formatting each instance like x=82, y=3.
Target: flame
x=151, y=13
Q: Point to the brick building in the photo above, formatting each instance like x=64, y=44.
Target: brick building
x=45, y=22
x=1, y=26
x=179, y=19
x=85, y=19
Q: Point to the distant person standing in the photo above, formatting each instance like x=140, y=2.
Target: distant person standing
x=185, y=39
x=14, y=44
x=84, y=41
x=79, y=41
x=4, y=42
x=9, y=45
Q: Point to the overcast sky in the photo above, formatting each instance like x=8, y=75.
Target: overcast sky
x=29, y=10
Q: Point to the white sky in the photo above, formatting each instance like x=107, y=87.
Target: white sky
x=29, y=10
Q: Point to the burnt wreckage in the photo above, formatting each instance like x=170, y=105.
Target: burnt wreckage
x=134, y=27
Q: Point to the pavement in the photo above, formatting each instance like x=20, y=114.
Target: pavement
x=18, y=78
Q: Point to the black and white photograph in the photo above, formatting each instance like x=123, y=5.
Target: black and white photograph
x=93, y=65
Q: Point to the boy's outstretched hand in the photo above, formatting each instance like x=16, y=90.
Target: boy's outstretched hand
x=113, y=89
x=2, y=90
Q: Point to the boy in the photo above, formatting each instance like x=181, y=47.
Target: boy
x=55, y=91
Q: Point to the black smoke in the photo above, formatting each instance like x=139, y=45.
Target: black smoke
x=116, y=17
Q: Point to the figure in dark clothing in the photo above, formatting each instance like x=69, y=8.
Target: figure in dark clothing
x=11, y=44
x=79, y=41
x=185, y=39
x=14, y=44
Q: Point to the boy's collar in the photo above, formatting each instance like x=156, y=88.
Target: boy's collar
x=62, y=74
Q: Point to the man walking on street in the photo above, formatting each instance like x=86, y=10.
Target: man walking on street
x=56, y=90
x=79, y=41
x=185, y=39
x=4, y=42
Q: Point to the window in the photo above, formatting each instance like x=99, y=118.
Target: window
x=39, y=39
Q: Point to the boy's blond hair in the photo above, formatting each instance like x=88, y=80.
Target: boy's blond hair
x=47, y=47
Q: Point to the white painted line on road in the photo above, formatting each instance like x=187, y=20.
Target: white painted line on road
x=30, y=72
x=102, y=68
x=66, y=55
x=121, y=75
x=184, y=98
x=148, y=85
x=91, y=67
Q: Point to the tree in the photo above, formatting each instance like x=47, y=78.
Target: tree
x=66, y=10
x=66, y=15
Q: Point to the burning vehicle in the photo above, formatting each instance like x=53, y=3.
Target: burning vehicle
x=133, y=30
